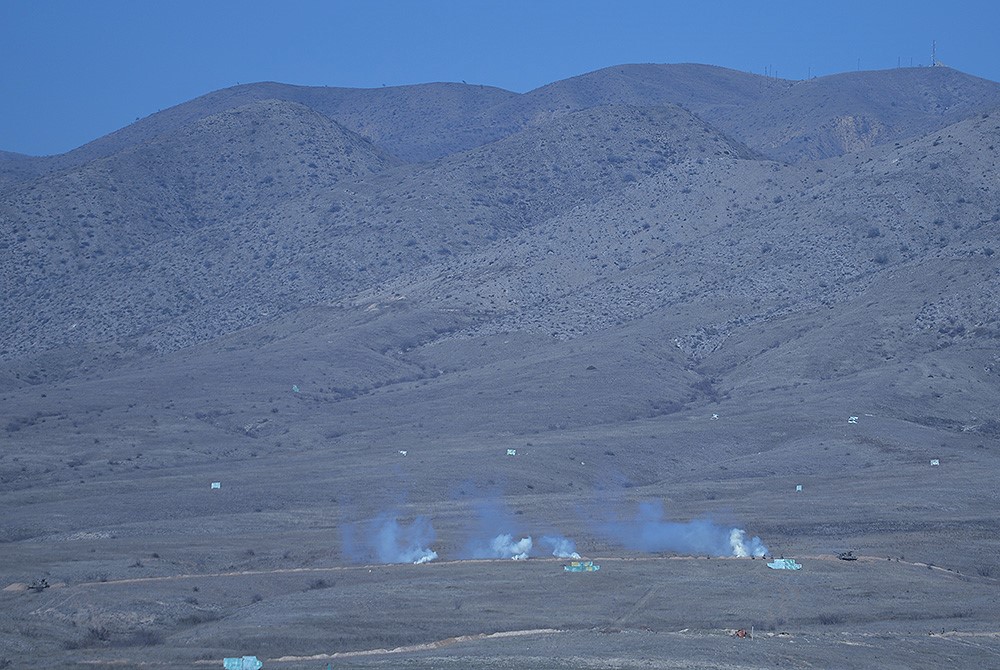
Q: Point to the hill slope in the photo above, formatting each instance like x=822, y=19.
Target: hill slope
x=845, y=113
x=281, y=218
x=585, y=314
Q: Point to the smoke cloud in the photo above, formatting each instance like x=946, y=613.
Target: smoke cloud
x=650, y=531
x=385, y=540
x=743, y=547
x=562, y=547
x=504, y=546
x=492, y=534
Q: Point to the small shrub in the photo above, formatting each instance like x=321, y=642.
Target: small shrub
x=319, y=584
x=95, y=636
x=141, y=638
x=199, y=617
x=39, y=585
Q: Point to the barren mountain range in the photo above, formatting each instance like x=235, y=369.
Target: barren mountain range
x=671, y=282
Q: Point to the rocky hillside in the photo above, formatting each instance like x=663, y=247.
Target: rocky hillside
x=675, y=283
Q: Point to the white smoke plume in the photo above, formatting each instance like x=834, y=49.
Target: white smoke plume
x=742, y=547
x=562, y=547
x=490, y=534
x=426, y=557
x=385, y=540
x=504, y=546
x=649, y=531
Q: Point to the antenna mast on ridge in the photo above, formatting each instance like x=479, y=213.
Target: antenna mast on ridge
x=933, y=53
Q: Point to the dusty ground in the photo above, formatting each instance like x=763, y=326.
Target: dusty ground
x=157, y=568
x=242, y=291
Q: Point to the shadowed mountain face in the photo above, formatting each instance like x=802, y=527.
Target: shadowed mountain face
x=226, y=167
x=651, y=282
x=284, y=229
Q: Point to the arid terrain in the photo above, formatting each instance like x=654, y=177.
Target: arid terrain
x=426, y=317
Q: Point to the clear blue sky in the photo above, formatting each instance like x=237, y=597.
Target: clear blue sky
x=74, y=70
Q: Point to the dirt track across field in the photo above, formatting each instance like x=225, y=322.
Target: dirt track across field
x=603, y=559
